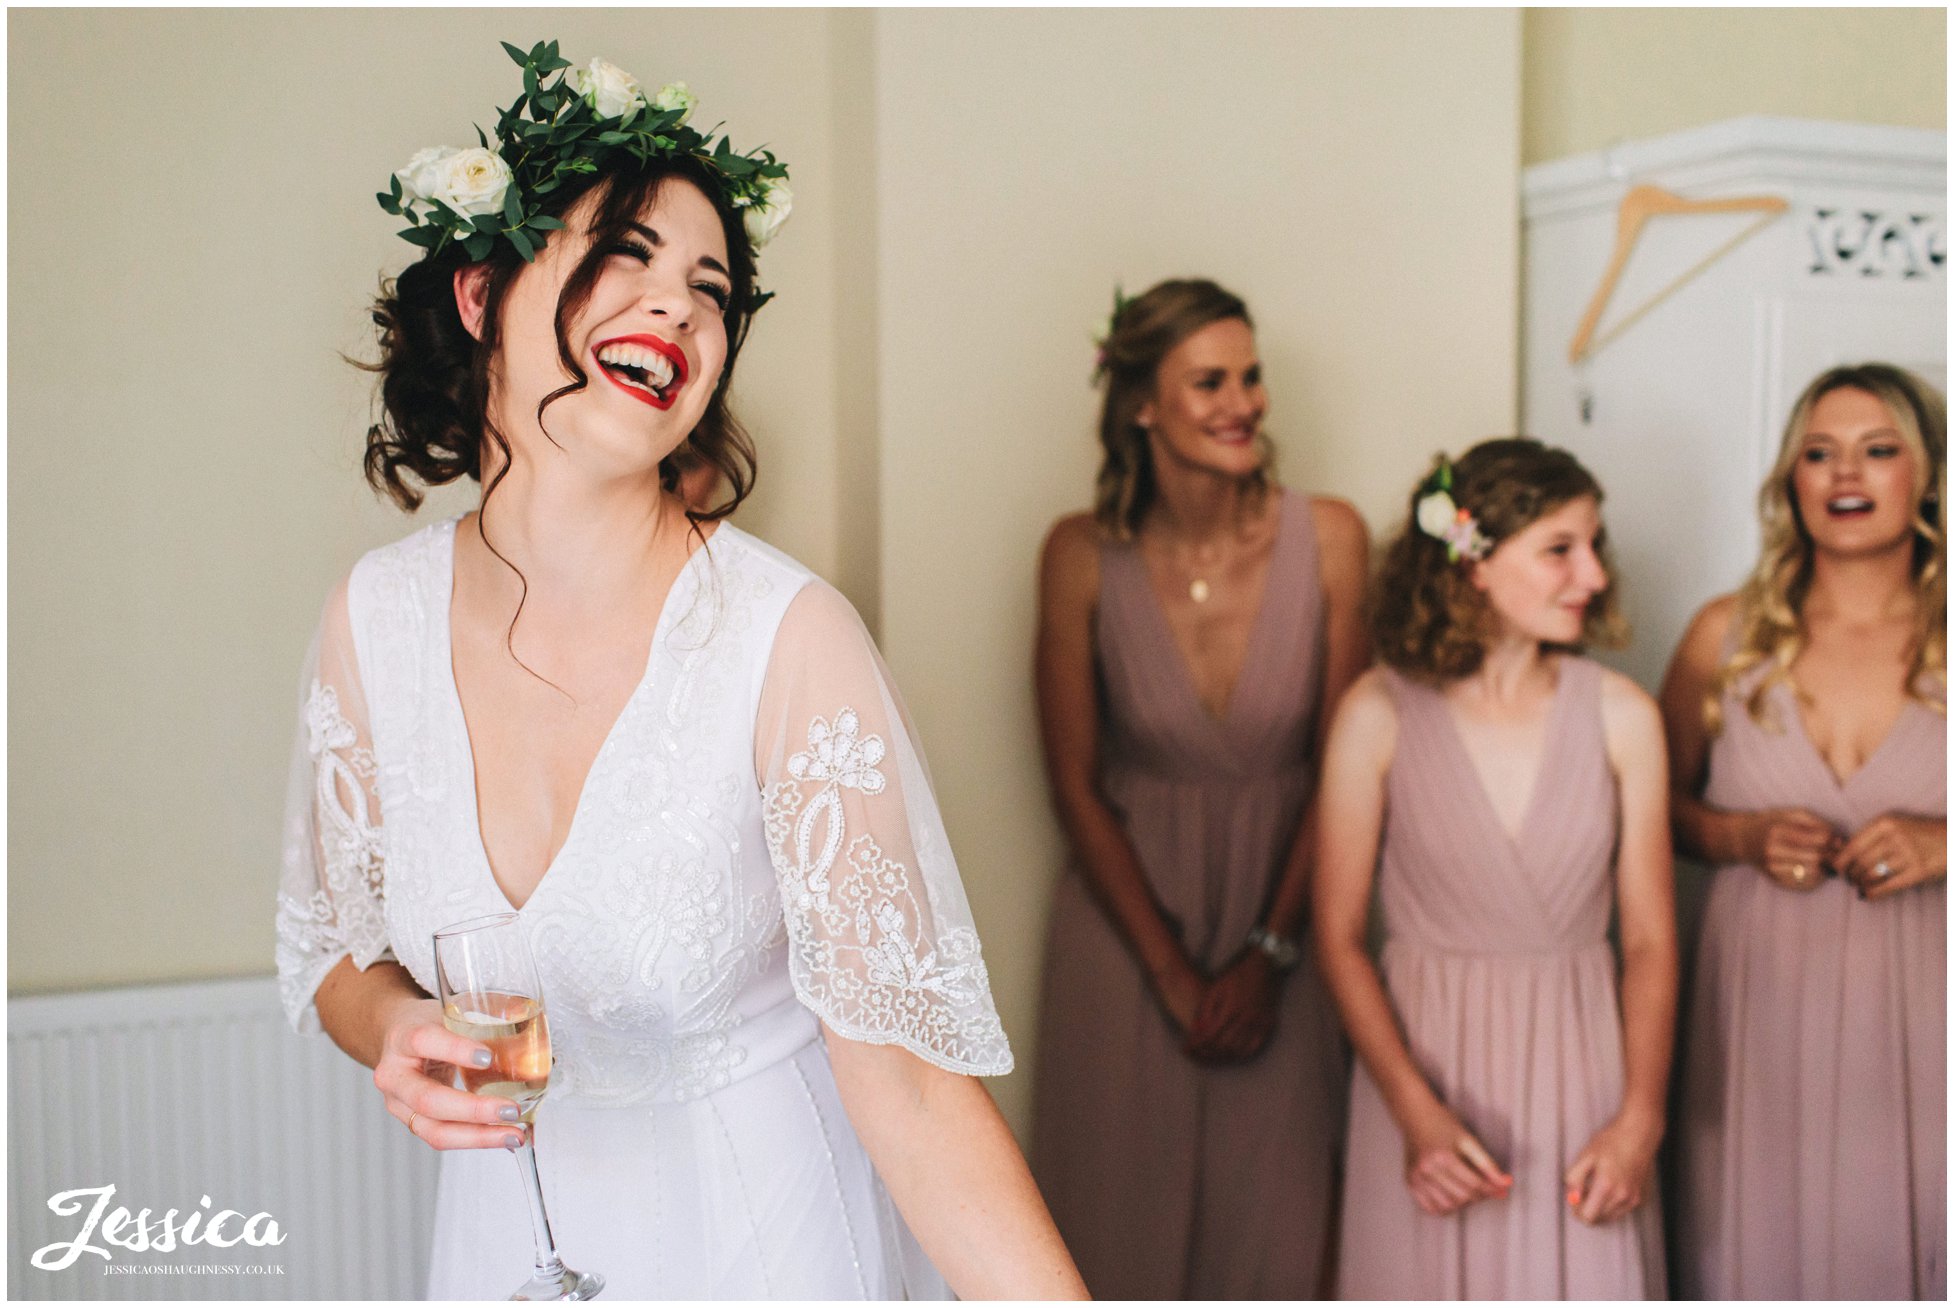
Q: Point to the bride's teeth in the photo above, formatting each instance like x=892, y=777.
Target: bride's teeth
x=656, y=367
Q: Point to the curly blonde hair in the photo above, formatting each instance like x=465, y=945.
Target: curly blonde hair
x=1770, y=607
x=1142, y=332
x=1431, y=622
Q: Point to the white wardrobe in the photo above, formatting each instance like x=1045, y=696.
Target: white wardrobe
x=1680, y=412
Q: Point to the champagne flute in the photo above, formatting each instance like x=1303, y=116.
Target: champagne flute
x=490, y=992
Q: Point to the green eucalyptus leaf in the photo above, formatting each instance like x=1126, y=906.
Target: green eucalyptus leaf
x=516, y=54
x=422, y=236
x=542, y=222
x=613, y=138
x=388, y=202
x=524, y=246
x=478, y=246
x=512, y=205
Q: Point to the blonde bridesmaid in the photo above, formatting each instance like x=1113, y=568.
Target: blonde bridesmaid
x=1807, y=723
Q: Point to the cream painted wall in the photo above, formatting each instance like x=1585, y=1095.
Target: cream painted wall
x=1353, y=174
x=1597, y=76
x=183, y=265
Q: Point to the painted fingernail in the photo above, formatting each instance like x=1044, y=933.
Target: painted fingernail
x=512, y=1142
x=481, y=1058
x=1573, y=1198
x=510, y=1114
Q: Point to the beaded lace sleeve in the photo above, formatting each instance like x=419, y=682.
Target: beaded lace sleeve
x=882, y=944
x=331, y=885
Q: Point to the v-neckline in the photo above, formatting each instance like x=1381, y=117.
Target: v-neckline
x=1840, y=784
x=446, y=655
x=1549, y=748
x=1186, y=671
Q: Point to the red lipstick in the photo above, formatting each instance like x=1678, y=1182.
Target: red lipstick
x=660, y=398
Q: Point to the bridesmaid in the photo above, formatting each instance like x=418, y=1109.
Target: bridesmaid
x=1807, y=727
x=1190, y=1074
x=1505, y=1116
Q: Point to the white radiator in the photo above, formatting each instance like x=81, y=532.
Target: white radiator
x=173, y=1093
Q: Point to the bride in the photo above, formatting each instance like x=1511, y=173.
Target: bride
x=673, y=751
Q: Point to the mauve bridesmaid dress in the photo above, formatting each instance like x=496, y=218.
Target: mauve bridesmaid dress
x=1170, y=1179
x=1812, y=1137
x=1498, y=966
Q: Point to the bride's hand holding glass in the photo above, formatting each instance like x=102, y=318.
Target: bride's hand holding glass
x=415, y=1073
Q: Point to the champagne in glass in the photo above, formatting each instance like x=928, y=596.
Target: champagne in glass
x=490, y=992
x=518, y=1037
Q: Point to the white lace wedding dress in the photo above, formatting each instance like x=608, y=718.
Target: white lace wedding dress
x=756, y=847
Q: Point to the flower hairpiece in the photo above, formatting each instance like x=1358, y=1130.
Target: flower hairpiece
x=568, y=122
x=1101, y=362
x=1439, y=517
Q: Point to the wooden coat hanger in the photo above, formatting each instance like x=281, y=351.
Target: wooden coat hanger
x=1640, y=205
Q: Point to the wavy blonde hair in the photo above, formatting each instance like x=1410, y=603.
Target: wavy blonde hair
x=1771, y=604
x=1141, y=334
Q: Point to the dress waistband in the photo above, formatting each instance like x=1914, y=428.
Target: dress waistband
x=1412, y=950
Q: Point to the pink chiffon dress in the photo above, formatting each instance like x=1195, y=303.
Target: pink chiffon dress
x=1812, y=1137
x=1497, y=963
x=1169, y=1178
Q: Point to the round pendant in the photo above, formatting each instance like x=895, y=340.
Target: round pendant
x=1197, y=590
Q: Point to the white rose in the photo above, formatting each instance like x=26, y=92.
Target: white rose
x=612, y=92
x=472, y=181
x=765, y=215
x=419, y=176
x=1436, y=514
x=676, y=96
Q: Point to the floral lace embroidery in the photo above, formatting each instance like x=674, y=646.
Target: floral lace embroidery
x=346, y=914
x=864, y=956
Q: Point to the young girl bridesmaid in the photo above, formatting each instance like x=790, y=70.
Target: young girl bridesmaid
x=1507, y=792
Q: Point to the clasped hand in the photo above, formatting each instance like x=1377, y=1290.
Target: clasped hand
x=1610, y=1178
x=1795, y=848
x=1229, y=1017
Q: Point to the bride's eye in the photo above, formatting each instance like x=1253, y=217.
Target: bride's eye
x=720, y=295
x=632, y=249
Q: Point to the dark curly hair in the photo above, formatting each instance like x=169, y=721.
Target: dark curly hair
x=1431, y=622
x=434, y=383
x=1142, y=333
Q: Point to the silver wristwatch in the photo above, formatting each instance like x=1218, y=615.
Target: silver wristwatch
x=1282, y=954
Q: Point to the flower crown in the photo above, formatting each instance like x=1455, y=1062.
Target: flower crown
x=1441, y=519
x=1101, y=363
x=577, y=121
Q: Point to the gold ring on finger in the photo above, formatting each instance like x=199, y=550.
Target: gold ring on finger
x=1798, y=873
x=412, y=1113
